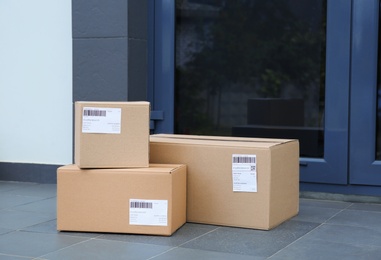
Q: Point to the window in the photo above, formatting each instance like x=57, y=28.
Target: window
x=252, y=68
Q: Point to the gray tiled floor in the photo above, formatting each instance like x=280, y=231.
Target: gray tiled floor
x=322, y=230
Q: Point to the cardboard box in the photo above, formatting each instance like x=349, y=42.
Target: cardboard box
x=214, y=196
x=140, y=201
x=111, y=134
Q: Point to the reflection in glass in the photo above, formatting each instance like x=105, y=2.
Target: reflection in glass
x=252, y=68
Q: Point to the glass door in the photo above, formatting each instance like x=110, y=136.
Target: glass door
x=265, y=68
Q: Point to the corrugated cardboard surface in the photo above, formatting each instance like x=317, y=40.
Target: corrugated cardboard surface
x=97, y=200
x=210, y=196
x=130, y=148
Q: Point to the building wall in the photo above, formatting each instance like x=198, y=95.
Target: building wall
x=35, y=86
x=109, y=50
x=55, y=52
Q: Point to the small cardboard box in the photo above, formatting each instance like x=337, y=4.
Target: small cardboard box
x=111, y=134
x=140, y=201
x=233, y=181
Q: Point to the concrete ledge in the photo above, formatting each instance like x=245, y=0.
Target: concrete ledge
x=340, y=197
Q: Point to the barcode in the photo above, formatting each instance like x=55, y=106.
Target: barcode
x=244, y=159
x=140, y=205
x=88, y=112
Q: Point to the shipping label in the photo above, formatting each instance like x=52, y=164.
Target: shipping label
x=100, y=120
x=244, y=172
x=149, y=212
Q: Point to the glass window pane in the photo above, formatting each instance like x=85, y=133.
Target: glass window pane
x=252, y=68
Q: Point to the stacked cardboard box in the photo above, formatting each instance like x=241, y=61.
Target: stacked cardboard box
x=112, y=187
x=111, y=134
x=233, y=181
x=126, y=200
x=230, y=181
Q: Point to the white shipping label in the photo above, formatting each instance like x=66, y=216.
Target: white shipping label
x=149, y=212
x=101, y=120
x=244, y=171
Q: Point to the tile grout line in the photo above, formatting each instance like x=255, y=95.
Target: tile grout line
x=24, y=204
x=175, y=247
x=19, y=256
x=87, y=240
x=321, y=224
x=294, y=241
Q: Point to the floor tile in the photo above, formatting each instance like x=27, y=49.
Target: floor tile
x=81, y=234
x=251, y=242
x=14, y=257
x=18, y=219
x=185, y=233
x=9, y=201
x=323, y=230
x=366, y=207
x=357, y=218
x=43, y=206
x=38, y=190
x=97, y=249
x=193, y=254
x=322, y=250
x=5, y=231
x=324, y=203
x=6, y=186
x=360, y=236
x=34, y=244
x=50, y=227
x=316, y=214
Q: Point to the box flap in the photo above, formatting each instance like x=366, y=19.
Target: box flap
x=107, y=103
x=156, y=167
x=218, y=140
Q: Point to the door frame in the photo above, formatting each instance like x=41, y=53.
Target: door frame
x=161, y=30
x=364, y=169
x=333, y=168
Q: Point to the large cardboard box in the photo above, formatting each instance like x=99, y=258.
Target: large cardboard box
x=111, y=134
x=140, y=200
x=233, y=181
